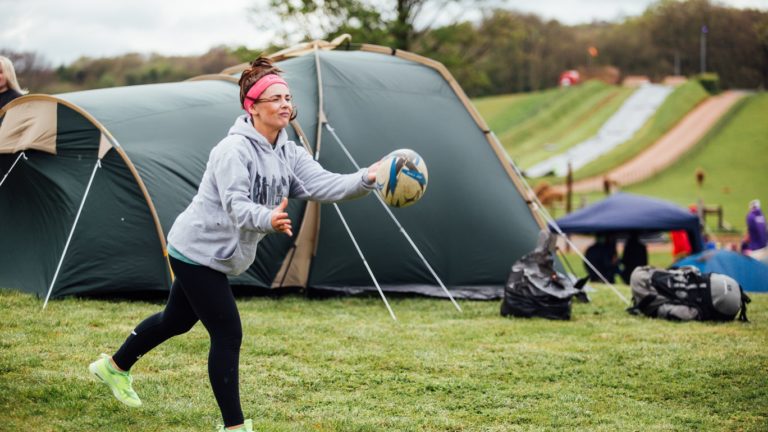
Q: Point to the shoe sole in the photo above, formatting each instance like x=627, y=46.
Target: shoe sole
x=94, y=370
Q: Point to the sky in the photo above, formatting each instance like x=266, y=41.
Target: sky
x=64, y=30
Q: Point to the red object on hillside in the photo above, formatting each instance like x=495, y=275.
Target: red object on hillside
x=569, y=78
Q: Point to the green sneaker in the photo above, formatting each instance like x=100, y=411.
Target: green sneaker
x=118, y=382
x=246, y=427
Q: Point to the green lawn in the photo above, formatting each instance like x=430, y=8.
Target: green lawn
x=734, y=158
x=682, y=100
x=656, y=258
x=535, y=126
x=344, y=365
x=504, y=112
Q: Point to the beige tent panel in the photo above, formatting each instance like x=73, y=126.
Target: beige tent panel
x=29, y=124
x=218, y=76
x=294, y=272
x=308, y=47
x=294, y=51
x=295, y=269
x=105, y=145
x=36, y=122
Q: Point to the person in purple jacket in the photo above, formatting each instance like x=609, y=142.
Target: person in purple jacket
x=242, y=197
x=758, y=237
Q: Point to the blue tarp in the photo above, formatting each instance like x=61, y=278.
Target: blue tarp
x=624, y=213
x=750, y=273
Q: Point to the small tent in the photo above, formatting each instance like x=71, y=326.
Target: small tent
x=623, y=212
x=750, y=273
x=104, y=173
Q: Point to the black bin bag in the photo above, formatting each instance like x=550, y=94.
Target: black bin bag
x=535, y=289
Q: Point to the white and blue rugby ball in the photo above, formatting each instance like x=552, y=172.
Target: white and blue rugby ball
x=402, y=177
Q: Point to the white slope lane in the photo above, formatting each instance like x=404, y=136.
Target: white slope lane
x=632, y=115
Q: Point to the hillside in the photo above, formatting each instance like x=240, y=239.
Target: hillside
x=682, y=100
x=734, y=158
x=734, y=155
x=535, y=126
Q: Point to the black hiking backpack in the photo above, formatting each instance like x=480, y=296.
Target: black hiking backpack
x=686, y=294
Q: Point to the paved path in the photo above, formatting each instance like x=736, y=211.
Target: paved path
x=675, y=143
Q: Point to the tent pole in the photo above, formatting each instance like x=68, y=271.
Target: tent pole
x=365, y=262
x=320, y=112
x=391, y=215
x=72, y=231
x=602, y=278
x=321, y=119
x=538, y=207
x=11, y=169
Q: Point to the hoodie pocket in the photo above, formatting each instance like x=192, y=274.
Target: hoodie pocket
x=243, y=254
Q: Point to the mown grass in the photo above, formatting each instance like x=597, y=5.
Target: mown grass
x=535, y=126
x=682, y=100
x=504, y=112
x=734, y=159
x=344, y=365
x=656, y=258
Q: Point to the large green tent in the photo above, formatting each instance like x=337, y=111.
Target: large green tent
x=120, y=164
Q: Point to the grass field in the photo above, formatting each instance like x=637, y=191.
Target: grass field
x=657, y=258
x=538, y=125
x=734, y=158
x=344, y=365
x=682, y=100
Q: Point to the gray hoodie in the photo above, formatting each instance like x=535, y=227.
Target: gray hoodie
x=245, y=178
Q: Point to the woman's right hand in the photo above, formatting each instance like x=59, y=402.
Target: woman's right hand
x=280, y=220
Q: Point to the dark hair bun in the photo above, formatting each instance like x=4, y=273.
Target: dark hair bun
x=258, y=68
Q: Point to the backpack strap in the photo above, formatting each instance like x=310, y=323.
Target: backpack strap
x=744, y=300
x=643, y=305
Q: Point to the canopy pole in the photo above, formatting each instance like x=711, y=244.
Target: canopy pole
x=399, y=226
x=13, y=165
x=365, y=262
x=538, y=207
x=72, y=231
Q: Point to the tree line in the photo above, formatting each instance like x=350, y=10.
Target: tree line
x=503, y=52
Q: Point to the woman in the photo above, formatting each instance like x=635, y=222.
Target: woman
x=242, y=197
x=9, y=86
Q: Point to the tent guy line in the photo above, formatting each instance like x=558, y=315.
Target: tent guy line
x=394, y=219
x=538, y=207
x=578, y=252
x=11, y=169
x=321, y=121
x=365, y=262
x=351, y=236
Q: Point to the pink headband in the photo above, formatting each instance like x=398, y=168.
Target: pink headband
x=258, y=88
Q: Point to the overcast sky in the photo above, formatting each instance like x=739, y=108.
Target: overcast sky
x=63, y=30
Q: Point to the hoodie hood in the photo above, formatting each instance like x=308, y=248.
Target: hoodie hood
x=244, y=127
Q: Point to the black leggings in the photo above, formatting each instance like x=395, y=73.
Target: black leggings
x=198, y=293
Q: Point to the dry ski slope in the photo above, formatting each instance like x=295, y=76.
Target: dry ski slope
x=668, y=148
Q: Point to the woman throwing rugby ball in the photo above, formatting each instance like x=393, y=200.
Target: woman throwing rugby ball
x=242, y=197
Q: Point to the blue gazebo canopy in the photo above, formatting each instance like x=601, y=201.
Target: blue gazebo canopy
x=625, y=213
